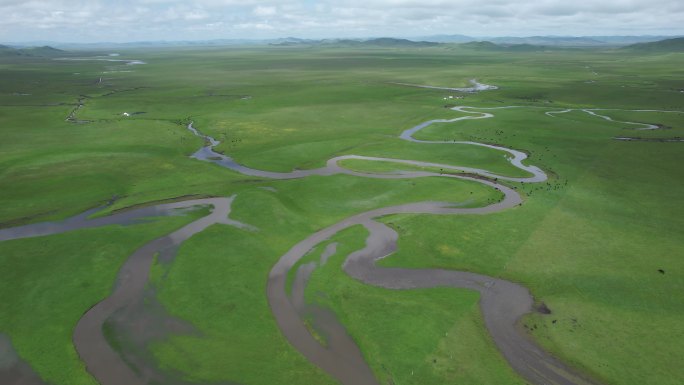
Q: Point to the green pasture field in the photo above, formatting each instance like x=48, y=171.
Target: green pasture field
x=589, y=242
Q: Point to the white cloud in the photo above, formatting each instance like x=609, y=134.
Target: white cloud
x=258, y=26
x=265, y=11
x=106, y=20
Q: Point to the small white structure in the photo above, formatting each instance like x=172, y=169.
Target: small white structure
x=126, y=114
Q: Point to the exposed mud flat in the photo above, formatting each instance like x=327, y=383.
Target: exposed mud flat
x=133, y=328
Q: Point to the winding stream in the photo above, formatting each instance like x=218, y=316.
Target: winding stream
x=503, y=303
x=97, y=58
x=332, y=167
x=592, y=111
x=476, y=87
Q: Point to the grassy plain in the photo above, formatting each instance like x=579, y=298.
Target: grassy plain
x=588, y=243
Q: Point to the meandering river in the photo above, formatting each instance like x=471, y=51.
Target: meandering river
x=503, y=303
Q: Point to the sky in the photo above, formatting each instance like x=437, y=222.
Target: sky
x=84, y=21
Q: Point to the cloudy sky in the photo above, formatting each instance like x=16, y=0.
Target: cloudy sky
x=128, y=20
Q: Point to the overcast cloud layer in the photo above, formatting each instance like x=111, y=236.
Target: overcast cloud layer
x=126, y=20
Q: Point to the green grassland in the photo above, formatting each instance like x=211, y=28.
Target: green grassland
x=589, y=242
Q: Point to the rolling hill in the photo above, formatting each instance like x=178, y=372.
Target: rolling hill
x=45, y=51
x=667, y=45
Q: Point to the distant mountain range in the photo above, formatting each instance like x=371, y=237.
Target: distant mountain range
x=489, y=46
x=666, y=45
x=504, y=44
x=379, y=42
x=547, y=41
x=553, y=41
